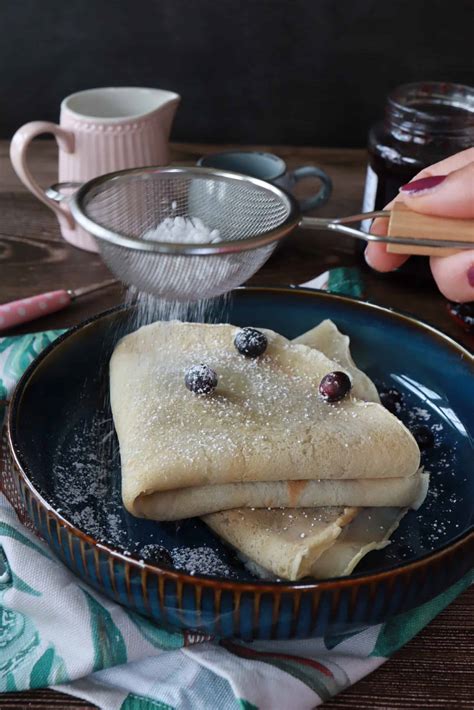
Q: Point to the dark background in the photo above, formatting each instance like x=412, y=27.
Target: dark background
x=307, y=72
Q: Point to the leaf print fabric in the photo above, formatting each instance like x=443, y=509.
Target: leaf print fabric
x=16, y=353
x=109, y=646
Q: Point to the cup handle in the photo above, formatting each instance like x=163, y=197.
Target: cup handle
x=18, y=149
x=324, y=192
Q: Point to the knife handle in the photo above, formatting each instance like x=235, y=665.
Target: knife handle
x=28, y=309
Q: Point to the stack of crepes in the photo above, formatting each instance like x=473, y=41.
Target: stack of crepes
x=298, y=486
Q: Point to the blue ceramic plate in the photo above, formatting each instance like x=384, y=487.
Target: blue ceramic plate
x=66, y=468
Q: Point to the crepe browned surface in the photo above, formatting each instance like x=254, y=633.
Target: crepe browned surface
x=184, y=455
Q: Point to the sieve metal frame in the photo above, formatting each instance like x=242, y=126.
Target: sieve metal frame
x=179, y=248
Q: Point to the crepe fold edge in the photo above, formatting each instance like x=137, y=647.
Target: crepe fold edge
x=288, y=557
x=369, y=530
x=202, y=500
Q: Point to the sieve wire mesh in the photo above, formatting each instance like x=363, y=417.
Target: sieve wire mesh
x=130, y=203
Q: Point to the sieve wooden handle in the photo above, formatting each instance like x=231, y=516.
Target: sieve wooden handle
x=406, y=223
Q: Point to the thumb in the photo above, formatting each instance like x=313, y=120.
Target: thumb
x=447, y=196
x=443, y=195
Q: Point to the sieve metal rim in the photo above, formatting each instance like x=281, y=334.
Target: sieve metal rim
x=184, y=249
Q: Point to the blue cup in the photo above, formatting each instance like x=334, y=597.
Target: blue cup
x=271, y=168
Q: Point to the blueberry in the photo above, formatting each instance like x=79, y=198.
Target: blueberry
x=334, y=386
x=423, y=436
x=200, y=379
x=391, y=399
x=251, y=342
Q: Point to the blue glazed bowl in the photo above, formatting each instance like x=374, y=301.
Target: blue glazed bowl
x=61, y=392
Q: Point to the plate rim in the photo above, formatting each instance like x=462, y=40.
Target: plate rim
x=255, y=586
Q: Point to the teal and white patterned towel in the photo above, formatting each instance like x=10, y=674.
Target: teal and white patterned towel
x=55, y=631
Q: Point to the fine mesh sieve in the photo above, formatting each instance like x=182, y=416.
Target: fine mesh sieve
x=252, y=216
x=118, y=209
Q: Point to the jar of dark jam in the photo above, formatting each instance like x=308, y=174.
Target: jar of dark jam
x=424, y=123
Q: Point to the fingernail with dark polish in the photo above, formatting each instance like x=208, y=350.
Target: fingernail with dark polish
x=470, y=275
x=423, y=185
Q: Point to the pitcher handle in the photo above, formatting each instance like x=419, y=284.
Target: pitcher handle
x=18, y=150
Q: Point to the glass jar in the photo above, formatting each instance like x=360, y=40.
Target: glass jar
x=424, y=123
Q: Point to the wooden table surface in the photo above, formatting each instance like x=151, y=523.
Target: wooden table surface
x=436, y=669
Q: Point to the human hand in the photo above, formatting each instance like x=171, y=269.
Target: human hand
x=445, y=189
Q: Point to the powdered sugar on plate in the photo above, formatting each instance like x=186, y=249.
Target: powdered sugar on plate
x=82, y=476
x=85, y=490
x=437, y=520
x=200, y=560
x=421, y=413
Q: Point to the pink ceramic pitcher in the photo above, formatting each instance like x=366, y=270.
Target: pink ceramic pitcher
x=100, y=131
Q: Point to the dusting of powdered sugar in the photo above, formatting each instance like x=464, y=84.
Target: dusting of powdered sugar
x=82, y=476
x=200, y=560
x=258, y=403
x=420, y=413
x=437, y=520
x=182, y=230
x=183, y=278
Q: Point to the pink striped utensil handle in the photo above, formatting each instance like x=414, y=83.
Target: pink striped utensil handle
x=28, y=309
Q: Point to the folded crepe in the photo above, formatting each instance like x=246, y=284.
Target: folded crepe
x=316, y=542
x=263, y=439
x=305, y=542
